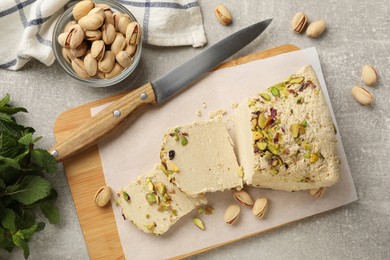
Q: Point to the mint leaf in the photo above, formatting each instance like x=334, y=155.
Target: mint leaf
x=20, y=242
x=2, y=184
x=4, y=101
x=50, y=212
x=45, y=160
x=8, y=220
x=10, y=162
x=31, y=189
x=26, y=139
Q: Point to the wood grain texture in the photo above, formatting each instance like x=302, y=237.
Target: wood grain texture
x=85, y=174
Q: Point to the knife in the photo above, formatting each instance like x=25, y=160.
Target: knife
x=156, y=92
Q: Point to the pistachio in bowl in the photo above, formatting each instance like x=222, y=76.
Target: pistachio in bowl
x=97, y=42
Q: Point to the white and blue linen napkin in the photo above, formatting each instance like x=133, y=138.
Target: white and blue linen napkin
x=27, y=26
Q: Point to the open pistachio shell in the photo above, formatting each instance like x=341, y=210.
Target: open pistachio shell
x=103, y=196
x=107, y=63
x=118, y=44
x=231, y=214
x=116, y=70
x=91, y=21
x=124, y=59
x=93, y=35
x=98, y=49
x=82, y=8
x=90, y=65
x=123, y=22
x=260, y=207
x=79, y=68
x=243, y=198
x=108, y=33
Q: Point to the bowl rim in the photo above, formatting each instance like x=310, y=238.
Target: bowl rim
x=64, y=18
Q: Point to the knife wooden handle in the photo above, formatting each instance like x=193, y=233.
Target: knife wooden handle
x=102, y=124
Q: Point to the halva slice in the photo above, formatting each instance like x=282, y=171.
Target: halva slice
x=285, y=136
x=153, y=204
x=200, y=158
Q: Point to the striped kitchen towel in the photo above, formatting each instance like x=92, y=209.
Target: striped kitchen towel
x=27, y=26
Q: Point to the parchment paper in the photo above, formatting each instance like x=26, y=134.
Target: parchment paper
x=136, y=150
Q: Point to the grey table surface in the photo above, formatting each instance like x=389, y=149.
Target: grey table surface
x=358, y=33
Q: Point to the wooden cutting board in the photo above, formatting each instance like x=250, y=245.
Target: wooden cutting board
x=85, y=173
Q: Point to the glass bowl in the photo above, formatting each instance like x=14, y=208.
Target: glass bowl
x=93, y=81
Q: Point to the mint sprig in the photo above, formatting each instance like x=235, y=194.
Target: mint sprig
x=24, y=188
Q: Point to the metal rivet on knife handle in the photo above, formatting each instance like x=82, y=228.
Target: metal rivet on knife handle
x=117, y=113
x=54, y=153
x=143, y=96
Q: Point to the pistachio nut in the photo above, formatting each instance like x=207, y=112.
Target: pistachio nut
x=90, y=65
x=131, y=49
x=260, y=207
x=80, y=51
x=72, y=38
x=369, y=75
x=299, y=22
x=223, y=14
x=67, y=54
x=82, y=8
x=103, y=196
x=107, y=63
x=108, y=33
x=363, y=96
x=69, y=25
x=62, y=37
x=109, y=19
x=243, y=198
x=93, y=35
x=79, y=68
x=132, y=33
x=99, y=11
x=116, y=70
x=231, y=214
x=116, y=16
x=98, y=49
x=91, y=21
x=123, y=22
x=316, y=28
x=318, y=193
x=118, y=44
x=124, y=59
x=199, y=223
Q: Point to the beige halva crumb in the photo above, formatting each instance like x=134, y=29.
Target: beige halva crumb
x=233, y=104
x=198, y=112
x=218, y=112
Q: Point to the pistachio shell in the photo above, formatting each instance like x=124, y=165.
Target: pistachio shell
x=369, y=75
x=118, y=44
x=91, y=22
x=62, y=39
x=260, y=207
x=80, y=51
x=103, y=196
x=82, y=8
x=98, y=49
x=231, y=214
x=223, y=14
x=76, y=36
x=116, y=16
x=93, y=35
x=363, y=96
x=318, y=193
x=108, y=33
x=131, y=49
x=132, y=33
x=124, y=59
x=243, y=198
x=107, y=63
x=109, y=19
x=299, y=22
x=99, y=11
x=69, y=26
x=123, y=22
x=114, y=72
x=316, y=28
x=90, y=65
x=105, y=7
x=79, y=68
x=67, y=54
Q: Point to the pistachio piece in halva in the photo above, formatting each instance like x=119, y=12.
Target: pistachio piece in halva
x=318, y=193
x=369, y=75
x=299, y=22
x=231, y=214
x=316, y=28
x=362, y=95
x=199, y=223
x=82, y=8
x=103, y=196
x=79, y=68
x=243, y=198
x=260, y=207
x=223, y=14
x=90, y=65
x=91, y=21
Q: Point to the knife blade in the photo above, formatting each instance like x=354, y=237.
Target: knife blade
x=158, y=91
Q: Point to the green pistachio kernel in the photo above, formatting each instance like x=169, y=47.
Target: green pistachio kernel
x=265, y=96
x=275, y=92
x=295, y=130
x=261, y=121
x=273, y=149
x=261, y=145
x=183, y=141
